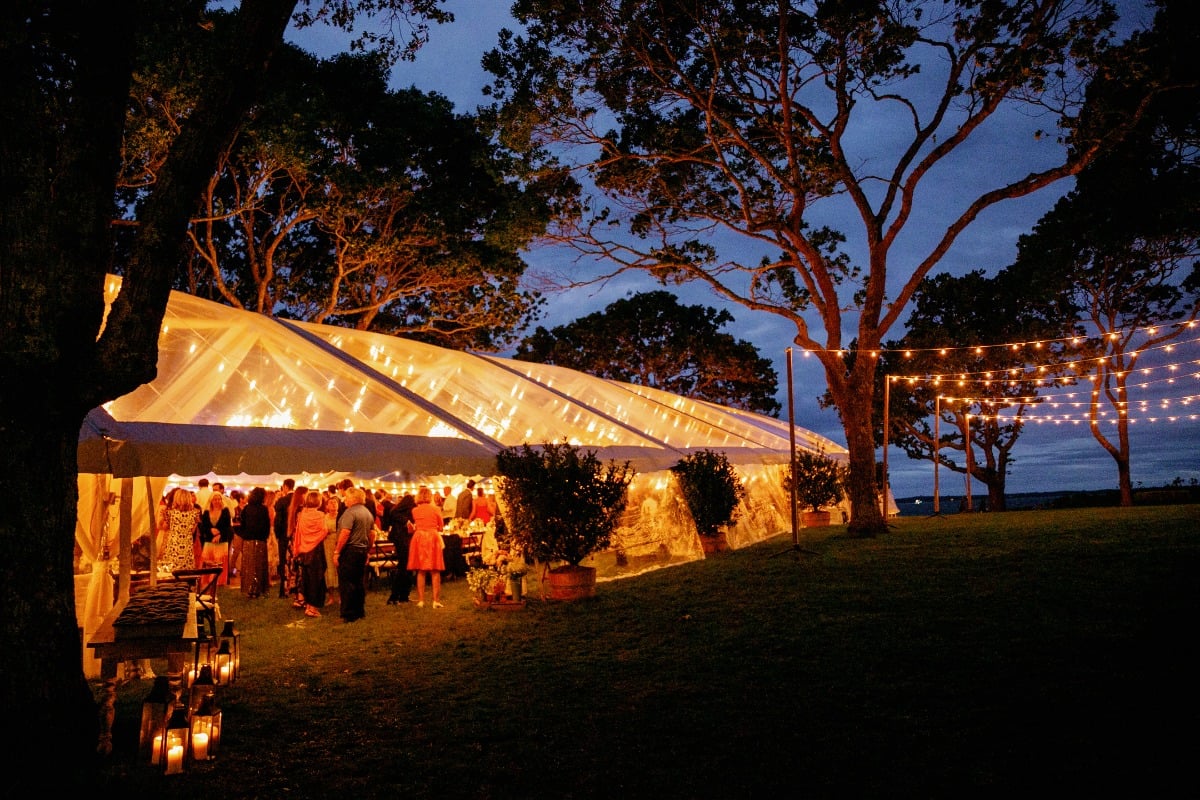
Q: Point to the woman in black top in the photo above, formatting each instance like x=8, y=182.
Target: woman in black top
x=256, y=528
x=400, y=529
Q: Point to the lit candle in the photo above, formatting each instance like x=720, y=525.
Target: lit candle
x=200, y=746
x=224, y=673
x=175, y=759
x=158, y=749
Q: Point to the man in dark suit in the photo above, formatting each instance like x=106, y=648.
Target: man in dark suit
x=283, y=500
x=466, y=502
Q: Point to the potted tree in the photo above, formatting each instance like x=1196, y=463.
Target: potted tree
x=561, y=504
x=712, y=491
x=819, y=481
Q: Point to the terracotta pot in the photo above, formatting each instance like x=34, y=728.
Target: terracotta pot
x=814, y=519
x=571, y=583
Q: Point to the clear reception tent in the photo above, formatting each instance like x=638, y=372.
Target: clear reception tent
x=249, y=399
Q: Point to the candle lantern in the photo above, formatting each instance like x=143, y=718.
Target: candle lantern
x=176, y=742
x=206, y=729
x=225, y=673
x=206, y=653
x=230, y=634
x=204, y=686
x=155, y=710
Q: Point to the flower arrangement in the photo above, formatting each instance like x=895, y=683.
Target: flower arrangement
x=482, y=580
x=516, y=568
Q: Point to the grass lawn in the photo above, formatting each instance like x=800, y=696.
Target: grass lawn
x=957, y=656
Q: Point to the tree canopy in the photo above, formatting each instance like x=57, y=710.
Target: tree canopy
x=724, y=136
x=652, y=340
x=344, y=202
x=1124, y=244
x=982, y=387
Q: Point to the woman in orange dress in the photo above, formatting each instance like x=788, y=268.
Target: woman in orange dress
x=425, y=549
x=482, y=509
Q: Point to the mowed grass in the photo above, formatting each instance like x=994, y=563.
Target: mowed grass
x=958, y=656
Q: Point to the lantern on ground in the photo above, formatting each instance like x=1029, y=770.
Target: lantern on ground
x=156, y=708
x=205, y=729
x=224, y=672
x=231, y=635
x=206, y=653
x=204, y=686
x=176, y=741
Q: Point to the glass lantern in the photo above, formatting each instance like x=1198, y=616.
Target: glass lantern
x=176, y=742
x=225, y=673
x=156, y=709
x=230, y=634
x=206, y=653
x=206, y=729
x=204, y=686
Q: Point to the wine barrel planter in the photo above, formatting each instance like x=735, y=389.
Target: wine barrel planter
x=714, y=544
x=814, y=519
x=571, y=583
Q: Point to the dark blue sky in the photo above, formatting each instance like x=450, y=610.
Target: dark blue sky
x=1050, y=455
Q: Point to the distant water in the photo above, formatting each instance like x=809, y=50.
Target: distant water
x=922, y=506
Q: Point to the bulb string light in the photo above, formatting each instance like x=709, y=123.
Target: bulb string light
x=1150, y=330
x=1036, y=372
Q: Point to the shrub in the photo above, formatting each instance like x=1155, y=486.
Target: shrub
x=711, y=489
x=560, y=503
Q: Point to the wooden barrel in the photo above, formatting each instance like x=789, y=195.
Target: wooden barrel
x=572, y=583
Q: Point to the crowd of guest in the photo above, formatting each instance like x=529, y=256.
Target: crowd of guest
x=310, y=542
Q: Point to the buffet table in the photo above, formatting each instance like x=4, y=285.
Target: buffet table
x=153, y=629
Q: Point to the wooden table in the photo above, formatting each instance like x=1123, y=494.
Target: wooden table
x=111, y=651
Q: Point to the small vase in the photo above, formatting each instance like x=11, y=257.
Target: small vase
x=514, y=588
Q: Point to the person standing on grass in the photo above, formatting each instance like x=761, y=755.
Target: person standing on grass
x=283, y=502
x=350, y=554
x=256, y=529
x=333, y=511
x=425, y=549
x=309, y=539
x=400, y=529
x=216, y=532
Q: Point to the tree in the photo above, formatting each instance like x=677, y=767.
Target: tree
x=1126, y=240
x=344, y=202
x=68, y=70
x=982, y=386
x=651, y=340
x=726, y=134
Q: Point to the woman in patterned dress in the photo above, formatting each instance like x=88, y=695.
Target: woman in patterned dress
x=179, y=544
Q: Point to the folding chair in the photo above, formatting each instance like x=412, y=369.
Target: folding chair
x=204, y=583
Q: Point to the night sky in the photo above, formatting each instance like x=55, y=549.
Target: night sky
x=1052, y=454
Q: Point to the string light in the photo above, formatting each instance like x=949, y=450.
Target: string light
x=1151, y=329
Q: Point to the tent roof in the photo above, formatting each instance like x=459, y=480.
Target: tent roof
x=239, y=392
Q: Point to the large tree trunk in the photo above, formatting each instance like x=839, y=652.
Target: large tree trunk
x=60, y=141
x=866, y=516
x=46, y=698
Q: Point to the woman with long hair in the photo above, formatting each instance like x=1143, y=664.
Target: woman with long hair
x=216, y=532
x=308, y=537
x=289, y=570
x=400, y=529
x=179, y=543
x=425, y=549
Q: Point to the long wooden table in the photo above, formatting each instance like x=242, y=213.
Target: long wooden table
x=111, y=651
